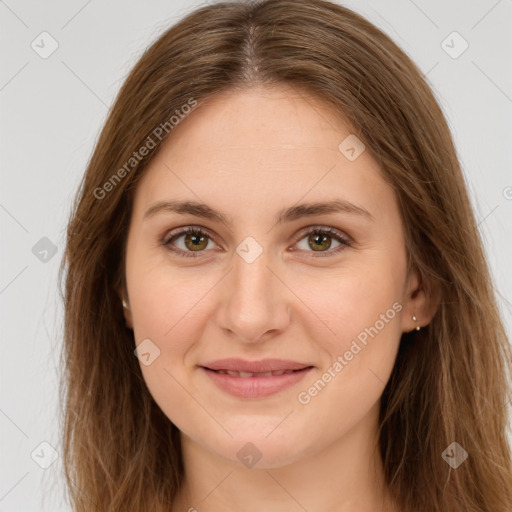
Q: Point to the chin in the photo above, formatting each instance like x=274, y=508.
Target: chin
x=254, y=448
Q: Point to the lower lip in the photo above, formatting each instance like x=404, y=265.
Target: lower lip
x=255, y=387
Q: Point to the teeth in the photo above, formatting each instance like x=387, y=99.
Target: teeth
x=245, y=375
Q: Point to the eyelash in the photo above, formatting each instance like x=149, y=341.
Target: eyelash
x=334, y=233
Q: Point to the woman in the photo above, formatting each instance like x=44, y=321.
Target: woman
x=220, y=352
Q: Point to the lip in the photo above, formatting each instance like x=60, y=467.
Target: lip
x=255, y=386
x=264, y=365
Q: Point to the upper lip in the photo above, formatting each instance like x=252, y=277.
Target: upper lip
x=264, y=365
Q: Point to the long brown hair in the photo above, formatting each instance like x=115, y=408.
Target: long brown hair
x=450, y=380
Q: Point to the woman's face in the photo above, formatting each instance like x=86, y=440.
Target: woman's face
x=254, y=288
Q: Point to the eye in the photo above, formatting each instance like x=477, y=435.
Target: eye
x=319, y=239
x=196, y=240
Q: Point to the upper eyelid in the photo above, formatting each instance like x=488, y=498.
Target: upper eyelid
x=177, y=232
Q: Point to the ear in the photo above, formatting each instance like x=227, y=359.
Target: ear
x=123, y=297
x=421, y=301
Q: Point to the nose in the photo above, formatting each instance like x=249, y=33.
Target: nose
x=255, y=304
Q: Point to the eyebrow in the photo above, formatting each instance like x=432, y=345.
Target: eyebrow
x=286, y=215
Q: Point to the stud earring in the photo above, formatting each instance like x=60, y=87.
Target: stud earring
x=125, y=304
x=415, y=320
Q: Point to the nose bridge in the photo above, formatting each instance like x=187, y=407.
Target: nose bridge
x=252, y=283
x=254, y=302
x=251, y=275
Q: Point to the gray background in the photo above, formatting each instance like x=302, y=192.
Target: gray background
x=53, y=108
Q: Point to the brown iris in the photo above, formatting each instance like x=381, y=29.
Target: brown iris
x=319, y=239
x=195, y=240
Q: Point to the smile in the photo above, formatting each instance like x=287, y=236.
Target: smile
x=245, y=384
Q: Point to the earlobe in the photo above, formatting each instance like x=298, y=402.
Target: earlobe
x=418, y=327
x=126, y=309
x=127, y=314
x=421, y=304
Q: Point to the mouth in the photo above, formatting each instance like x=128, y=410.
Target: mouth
x=245, y=379
x=245, y=375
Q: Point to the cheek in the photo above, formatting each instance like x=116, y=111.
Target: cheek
x=346, y=304
x=167, y=310
x=363, y=312
x=167, y=320
x=365, y=317
x=162, y=296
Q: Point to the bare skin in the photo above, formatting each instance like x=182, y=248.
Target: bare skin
x=249, y=155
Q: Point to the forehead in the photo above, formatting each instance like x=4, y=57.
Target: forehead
x=278, y=117
x=261, y=147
